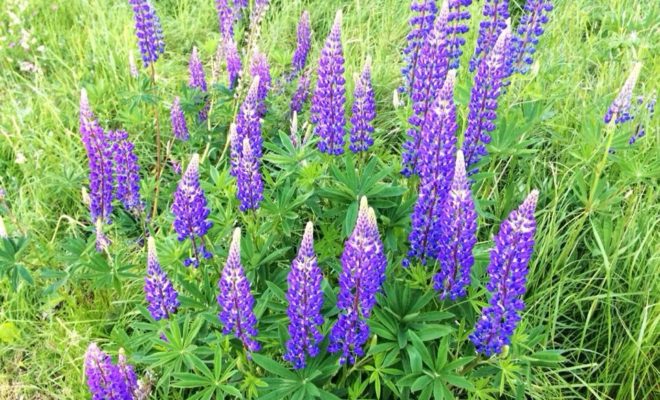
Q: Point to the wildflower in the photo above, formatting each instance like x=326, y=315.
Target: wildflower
x=248, y=177
x=507, y=269
x=482, y=109
x=105, y=379
x=640, y=130
x=197, y=80
x=148, y=31
x=235, y=300
x=127, y=372
x=364, y=111
x=178, y=119
x=233, y=61
x=259, y=67
x=305, y=300
x=430, y=72
x=225, y=18
x=191, y=212
x=161, y=295
x=302, y=92
x=127, y=172
x=496, y=14
x=421, y=23
x=436, y=165
x=529, y=29
x=363, y=272
x=329, y=96
x=619, y=110
x=304, y=43
x=248, y=125
x=456, y=28
x=458, y=235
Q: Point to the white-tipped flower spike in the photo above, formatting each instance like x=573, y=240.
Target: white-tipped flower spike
x=3, y=229
x=102, y=241
x=619, y=110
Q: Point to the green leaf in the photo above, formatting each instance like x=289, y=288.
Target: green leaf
x=273, y=367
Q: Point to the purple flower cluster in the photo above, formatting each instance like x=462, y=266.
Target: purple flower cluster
x=458, y=235
x=430, y=72
x=482, y=109
x=619, y=110
x=235, y=300
x=148, y=31
x=197, y=80
x=436, y=166
x=158, y=289
x=514, y=244
x=420, y=23
x=233, y=60
x=456, y=28
x=248, y=125
x=127, y=172
x=329, y=97
x=178, y=119
x=225, y=18
x=108, y=381
x=302, y=92
x=496, y=14
x=304, y=43
x=305, y=301
x=248, y=178
x=191, y=212
x=640, y=130
x=529, y=30
x=363, y=272
x=259, y=67
x=364, y=111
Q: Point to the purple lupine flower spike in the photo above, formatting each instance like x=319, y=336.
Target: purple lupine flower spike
x=248, y=125
x=127, y=172
x=619, y=110
x=329, y=97
x=482, y=109
x=160, y=293
x=436, y=166
x=235, y=300
x=233, y=61
x=363, y=271
x=248, y=178
x=225, y=18
x=148, y=31
x=430, y=72
x=302, y=92
x=105, y=379
x=259, y=67
x=197, y=80
x=178, y=119
x=127, y=373
x=305, y=299
x=420, y=23
x=514, y=244
x=364, y=111
x=304, y=43
x=456, y=28
x=530, y=28
x=191, y=212
x=458, y=235
x=496, y=14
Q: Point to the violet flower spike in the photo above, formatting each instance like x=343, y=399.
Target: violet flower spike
x=421, y=22
x=127, y=373
x=363, y=272
x=225, y=19
x=178, y=119
x=619, y=110
x=233, y=61
x=248, y=125
x=148, y=31
x=458, y=235
x=127, y=172
x=482, y=109
x=430, y=72
x=530, y=28
x=329, y=97
x=235, y=300
x=105, y=379
x=191, y=212
x=305, y=299
x=302, y=92
x=364, y=111
x=248, y=178
x=303, y=44
x=436, y=166
x=456, y=28
x=496, y=14
x=158, y=289
x=197, y=80
x=514, y=244
x=259, y=67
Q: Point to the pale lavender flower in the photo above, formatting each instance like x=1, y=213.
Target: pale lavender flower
x=619, y=110
x=197, y=80
x=127, y=172
x=178, y=119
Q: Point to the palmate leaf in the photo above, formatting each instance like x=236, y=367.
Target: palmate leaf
x=10, y=267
